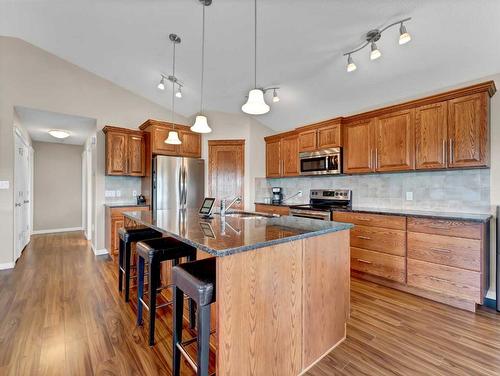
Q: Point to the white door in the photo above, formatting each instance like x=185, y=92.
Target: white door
x=22, y=196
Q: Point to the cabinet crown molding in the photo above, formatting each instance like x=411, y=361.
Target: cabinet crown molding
x=162, y=124
x=114, y=128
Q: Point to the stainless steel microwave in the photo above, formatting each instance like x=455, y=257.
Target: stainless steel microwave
x=321, y=162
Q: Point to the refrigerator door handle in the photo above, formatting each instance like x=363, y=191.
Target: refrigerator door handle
x=185, y=186
x=181, y=188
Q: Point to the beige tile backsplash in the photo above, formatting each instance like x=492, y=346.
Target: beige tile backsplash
x=466, y=191
x=126, y=185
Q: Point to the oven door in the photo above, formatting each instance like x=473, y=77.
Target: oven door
x=311, y=214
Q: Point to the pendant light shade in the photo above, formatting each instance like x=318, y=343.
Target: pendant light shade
x=173, y=138
x=201, y=125
x=256, y=105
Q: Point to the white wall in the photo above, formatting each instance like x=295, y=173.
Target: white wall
x=239, y=126
x=34, y=78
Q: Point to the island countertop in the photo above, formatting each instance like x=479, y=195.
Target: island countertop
x=236, y=233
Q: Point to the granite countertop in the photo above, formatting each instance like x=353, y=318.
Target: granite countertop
x=235, y=234
x=125, y=205
x=269, y=203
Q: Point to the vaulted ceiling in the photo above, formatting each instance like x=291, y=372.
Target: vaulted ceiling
x=300, y=46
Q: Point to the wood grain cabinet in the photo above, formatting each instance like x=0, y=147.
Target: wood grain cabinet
x=359, y=144
x=125, y=152
x=282, y=155
x=431, y=135
x=272, y=209
x=327, y=134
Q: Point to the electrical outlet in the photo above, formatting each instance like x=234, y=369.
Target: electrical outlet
x=134, y=193
x=409, y=196
x=109, y=194
x=4, y=184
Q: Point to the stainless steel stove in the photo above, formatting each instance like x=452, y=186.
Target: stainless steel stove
x=322, y=203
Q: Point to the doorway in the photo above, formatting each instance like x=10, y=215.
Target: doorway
x=226, y=170
x=22, y=193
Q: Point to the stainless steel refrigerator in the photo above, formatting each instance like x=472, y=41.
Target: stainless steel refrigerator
x=178, y=183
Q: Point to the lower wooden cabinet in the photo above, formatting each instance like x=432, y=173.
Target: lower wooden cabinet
x=113, y=221
x=440, y=259
x=272, y=209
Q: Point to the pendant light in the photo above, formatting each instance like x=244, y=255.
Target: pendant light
x=173, y=135
x=255, y=105
x=201, y=123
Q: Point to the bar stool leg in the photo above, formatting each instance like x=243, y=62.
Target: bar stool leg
x=192, y=304
x=154, y=276
x=120, y=265
x=140, y=288
x=203, y=314
x=178, y=309
x=127, y=270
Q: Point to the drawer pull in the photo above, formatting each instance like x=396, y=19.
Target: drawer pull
x=364, y=237
x=364, y=261
x=439, y=279
x=364, y=219
x=440, y=250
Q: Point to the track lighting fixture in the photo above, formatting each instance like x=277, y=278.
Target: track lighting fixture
x=161, y=85
x=372, y=37
x=276, y=99
x=178, y=93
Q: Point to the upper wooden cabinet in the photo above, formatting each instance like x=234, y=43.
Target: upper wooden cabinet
x=282, y=155
x=125, y=152
x=468, y=131
x=158, y=132
x=431, y=134
x=394, y=141
x=359, y=146
x=326, y=134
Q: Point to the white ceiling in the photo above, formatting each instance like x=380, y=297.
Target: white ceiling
x=39, y=123
x=300, y=48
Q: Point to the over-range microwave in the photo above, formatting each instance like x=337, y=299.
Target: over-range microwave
x=321, y=162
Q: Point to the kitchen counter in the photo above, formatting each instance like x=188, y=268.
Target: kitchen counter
x=237, y=233
x=267, y=203
x=282, y=287
x=124, y=205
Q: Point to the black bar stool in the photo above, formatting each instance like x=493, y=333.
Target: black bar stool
x=154, y=252
x=127, y=236
x=196, y=280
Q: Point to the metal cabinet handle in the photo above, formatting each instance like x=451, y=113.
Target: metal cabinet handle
x=444, y=151
x=440, y=250
x=26, y=201
x=364, y=219
x=376, y=158
x=17, y=205
x=364, y=261
x=364, y=237
x=451, y=150
x=439, y=279
x=371, y=158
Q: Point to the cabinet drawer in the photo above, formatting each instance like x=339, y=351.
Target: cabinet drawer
x=445, y=279
x=461, y=229
x=272, y=209
x=379, y=264
x=379, y=239
x=376, y=220
x=445, y=250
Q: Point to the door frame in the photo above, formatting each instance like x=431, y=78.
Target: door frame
x=235, y=142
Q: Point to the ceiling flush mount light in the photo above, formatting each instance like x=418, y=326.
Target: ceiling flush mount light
x=201, y=123
x=255, y=105
x=173, y=135
x=58, y=133
x=372, y=37
x=351, y=67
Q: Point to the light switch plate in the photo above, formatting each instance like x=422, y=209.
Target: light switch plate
x=4, y=184
x=409, y=196
x=134, y=193
x=109, y=194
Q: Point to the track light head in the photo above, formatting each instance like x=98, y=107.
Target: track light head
x=178, y=94
x=351, y=67
x=375, y=52
x=276, y=99
x=161, y=85
x=404, y=36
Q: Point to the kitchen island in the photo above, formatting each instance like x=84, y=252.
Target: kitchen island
x=282, y=286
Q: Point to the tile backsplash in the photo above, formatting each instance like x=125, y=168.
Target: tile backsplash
x=466, y=191
x=120, y=189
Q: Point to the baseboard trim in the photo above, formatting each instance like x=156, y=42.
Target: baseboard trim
x=7, y=265
x=56, y=230
x=99, y=252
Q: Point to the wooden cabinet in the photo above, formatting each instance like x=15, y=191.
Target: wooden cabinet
x=113, y=221
x=308, y=140
x=125, y=152
x=282, y=155
x=468, y=131
x=327, y=134
x=158, y=130
x=359, y=146
x=272, y=209
x=431, y=134
x=394, y=141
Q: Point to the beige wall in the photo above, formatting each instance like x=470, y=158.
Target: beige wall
x=57, y=186
x=34, y=78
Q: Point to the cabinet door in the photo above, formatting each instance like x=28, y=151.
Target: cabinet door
x=431, y=135
x=394, y=141
x=358, y=147
x=273, y=161
x=159, y=145
x=290, y=156
x=136, y=156
x=191, y=144
x=116, y=223
x=307, y=140
x=468, y=131
x=329, y=136
x=116, y=153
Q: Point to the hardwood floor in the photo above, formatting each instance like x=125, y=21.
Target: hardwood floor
x=61, y=314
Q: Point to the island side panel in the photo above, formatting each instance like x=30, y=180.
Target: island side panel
x=326, y=294
x=259, y=304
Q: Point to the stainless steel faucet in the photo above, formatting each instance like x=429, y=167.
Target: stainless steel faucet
x=224, y=208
